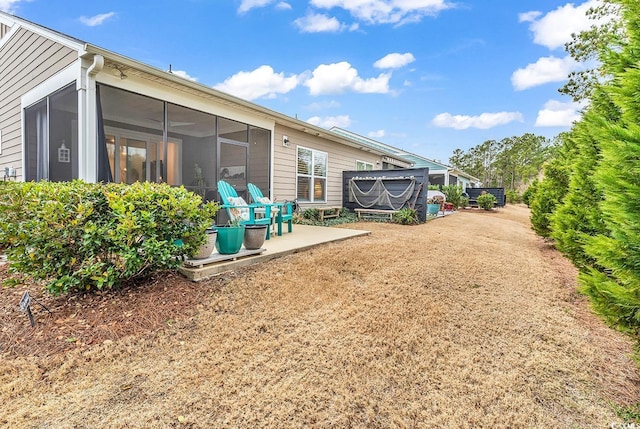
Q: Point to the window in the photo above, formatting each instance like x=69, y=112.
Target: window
x=363, y=165
x=51, y=137
x=311, y=175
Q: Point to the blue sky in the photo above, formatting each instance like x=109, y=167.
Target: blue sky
x=427, y=76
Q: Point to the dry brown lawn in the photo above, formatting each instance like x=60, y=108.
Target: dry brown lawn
x=466, y=321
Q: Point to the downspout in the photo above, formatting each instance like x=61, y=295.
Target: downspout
x=90, y=158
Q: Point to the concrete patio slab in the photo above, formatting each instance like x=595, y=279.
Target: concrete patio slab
x=303, y=237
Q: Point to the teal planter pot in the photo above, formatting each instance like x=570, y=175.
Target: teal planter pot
x=229, y=240
x=433, y=209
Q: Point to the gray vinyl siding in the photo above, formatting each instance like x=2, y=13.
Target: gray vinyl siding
x=26, y=61
x=4, y=29
x=340, y=158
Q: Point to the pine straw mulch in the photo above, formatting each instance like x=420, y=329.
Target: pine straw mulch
x=466, y=321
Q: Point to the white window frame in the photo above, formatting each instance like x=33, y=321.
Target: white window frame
x=368, y=165
x=313, y=176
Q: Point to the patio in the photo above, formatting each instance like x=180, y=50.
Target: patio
x=303, y=237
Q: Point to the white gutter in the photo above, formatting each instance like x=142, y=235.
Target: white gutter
x=88, y=150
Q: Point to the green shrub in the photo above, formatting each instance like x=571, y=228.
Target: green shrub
x=453, y=195
x=406, y=216
x=313, y=218
x=513, y=197
x=78, y=236
x=530, y=191
x=311, y=214
x=486, y=201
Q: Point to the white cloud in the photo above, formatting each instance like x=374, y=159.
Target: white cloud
x=558, y=114
x=316, y=23
x=96, y=20
x=341, y=77
x=247, y=5
x=8, y=5
x=378, y=134
x=394, y=61
x=545, y=70
x=342, y=121
x=482, y=121
x=183, y=74
x=283, y=6
x=261, y=82
x=554, y=29
x=529, y=16
x=386, y=11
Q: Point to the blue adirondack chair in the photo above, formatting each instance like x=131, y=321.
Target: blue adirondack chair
x=284, y=211
x=237, y=207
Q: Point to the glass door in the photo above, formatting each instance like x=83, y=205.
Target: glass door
x=135, y=156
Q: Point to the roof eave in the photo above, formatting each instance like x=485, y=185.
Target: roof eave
x=278, y=118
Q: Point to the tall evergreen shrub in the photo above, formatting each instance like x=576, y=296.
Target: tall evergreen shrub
x=615, y=290
x=550, y=191
x=579, y=216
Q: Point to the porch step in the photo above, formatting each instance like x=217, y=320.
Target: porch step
x=217, y=257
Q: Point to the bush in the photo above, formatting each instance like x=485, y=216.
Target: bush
x=486, y=201
x=78, y=236
x=527, y=195
x=406, y=216
x=311, y=214
x=513, y=197
x=453, y=194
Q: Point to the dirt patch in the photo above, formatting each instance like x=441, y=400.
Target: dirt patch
x=468, y=320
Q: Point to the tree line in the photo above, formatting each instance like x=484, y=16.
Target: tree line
x=511, y=163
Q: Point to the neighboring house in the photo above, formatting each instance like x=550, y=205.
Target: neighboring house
x=439, y=174
x=69, y=109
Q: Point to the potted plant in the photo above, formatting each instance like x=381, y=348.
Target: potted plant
x=198, y=234
x=230, y=236
x=205, y=250
x=433, y=206
x=254, y=236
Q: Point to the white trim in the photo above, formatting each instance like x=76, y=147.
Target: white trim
x=55, y=83
x=9, y=34
x=67, y=41
x=51, y=85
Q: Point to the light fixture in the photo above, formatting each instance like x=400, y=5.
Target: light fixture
x=119, y=71
x=285, y=141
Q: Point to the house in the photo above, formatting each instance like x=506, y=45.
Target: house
x=69, y=109
x=439, y=174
